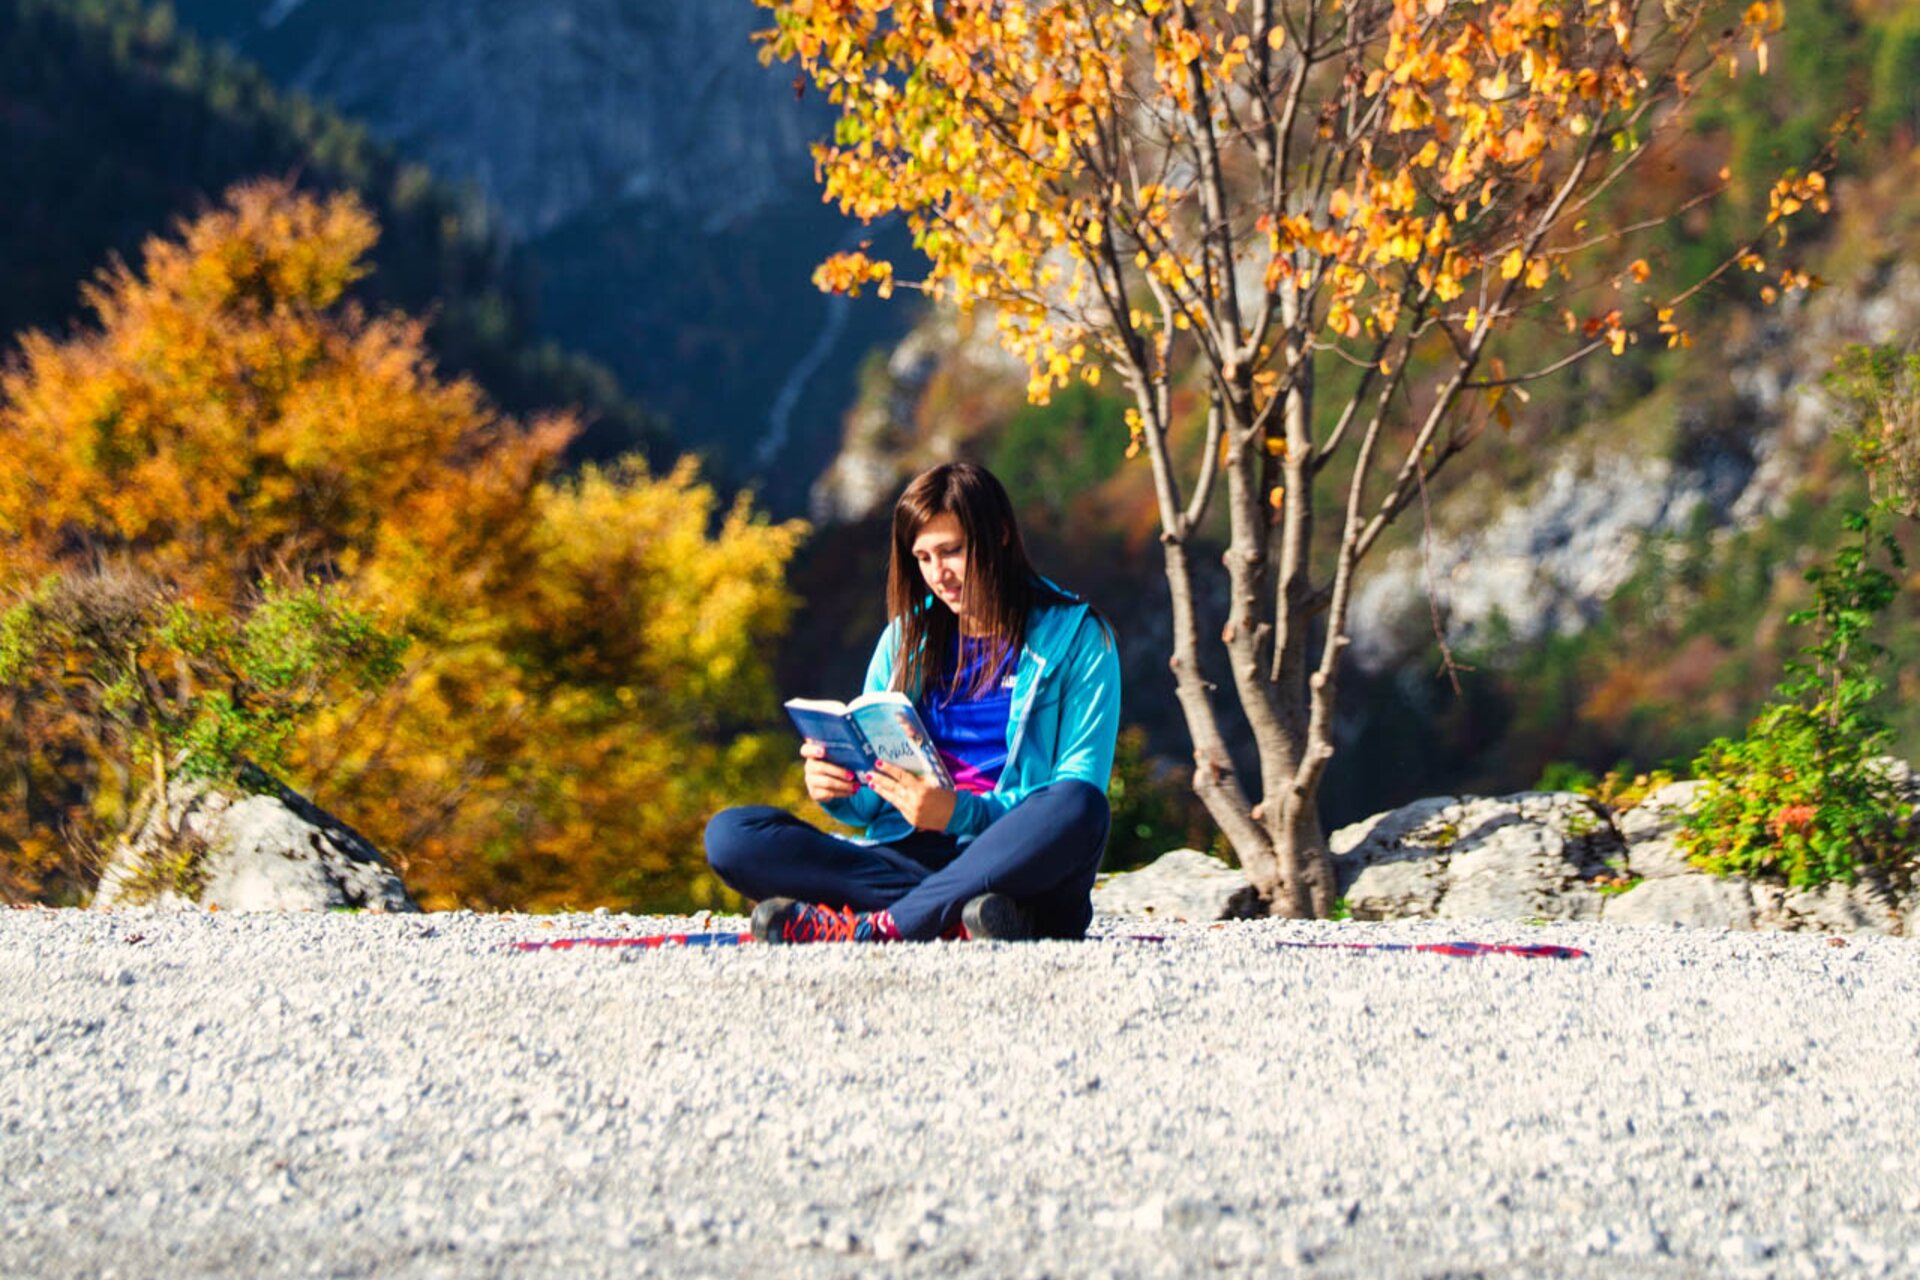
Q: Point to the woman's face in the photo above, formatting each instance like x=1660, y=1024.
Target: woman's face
x=941, y=552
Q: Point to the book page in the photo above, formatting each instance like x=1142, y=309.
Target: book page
x=894, y=731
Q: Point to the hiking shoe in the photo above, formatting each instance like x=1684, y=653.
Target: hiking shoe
x=785, y=920
x=994, y=917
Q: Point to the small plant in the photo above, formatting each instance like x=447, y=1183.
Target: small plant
x=1564, y=775
x=1582, y=823
x=1154, y=808
x=1342, y=910
x=1619, y=790
x=1801, y=797
x=1623, y=789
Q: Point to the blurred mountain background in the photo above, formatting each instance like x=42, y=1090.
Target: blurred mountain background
x=610, y=204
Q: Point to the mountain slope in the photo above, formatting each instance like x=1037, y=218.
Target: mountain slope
x=113, y=123
x=654, y=178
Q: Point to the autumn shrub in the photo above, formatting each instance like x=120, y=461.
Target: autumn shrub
x=1803, y=795
x=584, y=678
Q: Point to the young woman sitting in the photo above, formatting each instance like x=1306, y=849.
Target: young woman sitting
x=1019, y=685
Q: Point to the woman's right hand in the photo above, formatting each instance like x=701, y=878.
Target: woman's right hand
x=826, y=781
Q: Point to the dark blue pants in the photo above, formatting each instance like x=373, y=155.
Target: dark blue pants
x=1042, y=853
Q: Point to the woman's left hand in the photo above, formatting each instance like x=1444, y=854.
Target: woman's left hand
x=926, y=806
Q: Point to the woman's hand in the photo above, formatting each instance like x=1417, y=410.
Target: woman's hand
x=926, y=806
x=826, y=781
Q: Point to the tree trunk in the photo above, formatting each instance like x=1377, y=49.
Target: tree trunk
x=1306, y=862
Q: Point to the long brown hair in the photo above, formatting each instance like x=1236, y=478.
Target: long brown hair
x=1001, y=588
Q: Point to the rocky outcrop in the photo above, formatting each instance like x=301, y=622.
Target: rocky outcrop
x=1183, y=885
x=1555, y=855
x=887, y=437
x=268, y=851
x=1533, y=855
x=1546, y=559
x=878, y=450
x=1705, y=902
x=1671, y=890
x=1652, y=832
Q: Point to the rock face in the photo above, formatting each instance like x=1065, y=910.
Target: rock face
x=557, y=108
x=1545, y=559
x=1525, y=856
x=1183, y=885
x=265, y=852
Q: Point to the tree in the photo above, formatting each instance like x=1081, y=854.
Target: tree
x=1318, y=216
x=189, y=690
x=584, y=653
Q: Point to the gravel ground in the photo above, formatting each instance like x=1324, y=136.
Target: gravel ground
x=214, y=1095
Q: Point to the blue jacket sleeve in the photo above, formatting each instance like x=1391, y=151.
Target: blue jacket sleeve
x=863, y=806
x=1089, y=725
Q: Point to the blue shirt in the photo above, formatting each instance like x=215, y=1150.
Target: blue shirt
x=969, y=730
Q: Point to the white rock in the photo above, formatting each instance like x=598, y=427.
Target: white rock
x=1700, y=900
x=271, y=851
x=1513, y=857
x=1182, y=885
x=1652, y=827
x=1867, y=906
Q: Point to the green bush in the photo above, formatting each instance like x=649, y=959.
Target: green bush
x=1800, y=797
x=175, y=689
x=1565, y=775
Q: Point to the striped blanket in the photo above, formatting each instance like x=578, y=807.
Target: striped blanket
x=1529, y=951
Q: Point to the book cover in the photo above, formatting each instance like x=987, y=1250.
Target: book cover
x=873, y=727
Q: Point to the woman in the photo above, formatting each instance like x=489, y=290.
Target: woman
x=1019, y=685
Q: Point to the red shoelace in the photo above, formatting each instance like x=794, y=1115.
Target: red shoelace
x=814, y=923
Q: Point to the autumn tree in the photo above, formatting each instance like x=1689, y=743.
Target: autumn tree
x=582, y=652
x=1319, y=217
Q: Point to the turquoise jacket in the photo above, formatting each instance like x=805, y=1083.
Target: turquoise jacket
x=1064, y=717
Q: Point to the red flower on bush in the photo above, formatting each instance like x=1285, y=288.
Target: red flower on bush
x=1792, y=817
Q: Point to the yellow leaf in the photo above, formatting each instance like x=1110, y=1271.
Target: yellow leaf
x=1276, y=37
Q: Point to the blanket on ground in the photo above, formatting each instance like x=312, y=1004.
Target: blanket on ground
x=1529, y=951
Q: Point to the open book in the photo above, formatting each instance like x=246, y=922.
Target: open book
x=873, y=727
